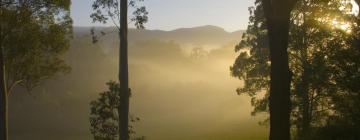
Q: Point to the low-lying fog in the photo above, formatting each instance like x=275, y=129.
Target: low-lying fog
x=181, y=91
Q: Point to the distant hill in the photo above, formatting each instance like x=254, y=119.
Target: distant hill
x=202, y=36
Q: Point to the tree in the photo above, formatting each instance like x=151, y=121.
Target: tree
x=104, y=118
x=277, y=15
x=344, y=123
x=309, y=50
x=117, y=12
x=34, y=35
x=311, y=43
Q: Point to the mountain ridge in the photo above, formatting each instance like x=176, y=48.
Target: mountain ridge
x=180, y=28
x=207, y=35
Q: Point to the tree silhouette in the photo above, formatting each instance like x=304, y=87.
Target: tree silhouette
x=277, y=15
x=314, y=46
x=117, y=12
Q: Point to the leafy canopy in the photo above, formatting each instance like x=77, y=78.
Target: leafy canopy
x=323, y=58
x=109, y=10
x=35, y=34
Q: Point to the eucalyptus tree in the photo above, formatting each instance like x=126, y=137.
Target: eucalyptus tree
x=34, y=36
x=277, y=18
x=116, y=11
x=311, y=38
x=268, y=34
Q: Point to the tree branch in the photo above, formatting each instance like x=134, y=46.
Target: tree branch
x=13, y=85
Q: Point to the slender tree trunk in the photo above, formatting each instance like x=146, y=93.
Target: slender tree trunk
x=305, y=106
x=3, y=96
x=277, y=14
x=306, y=112
x=123, y=73
x=4, y=101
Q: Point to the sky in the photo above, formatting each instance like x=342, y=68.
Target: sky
x=231, y=15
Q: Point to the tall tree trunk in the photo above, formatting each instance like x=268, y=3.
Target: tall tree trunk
x=123, y=73
x=3, y=96
x=279, y=87
x=277, y=14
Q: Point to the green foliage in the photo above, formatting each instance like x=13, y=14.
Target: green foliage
x=253, y=63
x=104, y=118
x=109, y=11
x=103, y=114
x=34, y=36
x=323, y=59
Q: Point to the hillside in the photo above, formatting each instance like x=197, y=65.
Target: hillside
x=199, y=36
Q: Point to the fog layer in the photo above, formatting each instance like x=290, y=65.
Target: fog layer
x=180, y=81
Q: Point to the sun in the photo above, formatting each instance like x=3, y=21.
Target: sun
x=344, y=25
x=341, y=25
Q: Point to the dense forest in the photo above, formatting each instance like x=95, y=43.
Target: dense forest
x=292, y=74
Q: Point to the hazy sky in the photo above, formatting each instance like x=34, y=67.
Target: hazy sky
x=171, y=14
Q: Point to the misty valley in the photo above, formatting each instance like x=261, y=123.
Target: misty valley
x=179, y=70
x=181, y=85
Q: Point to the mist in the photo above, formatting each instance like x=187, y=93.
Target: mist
x=181, y=89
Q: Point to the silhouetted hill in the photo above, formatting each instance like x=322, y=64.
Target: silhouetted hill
x=200, y=36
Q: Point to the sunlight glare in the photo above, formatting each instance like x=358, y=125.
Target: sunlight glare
x=341, y=24
x=355, y=7
x=344, y=26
